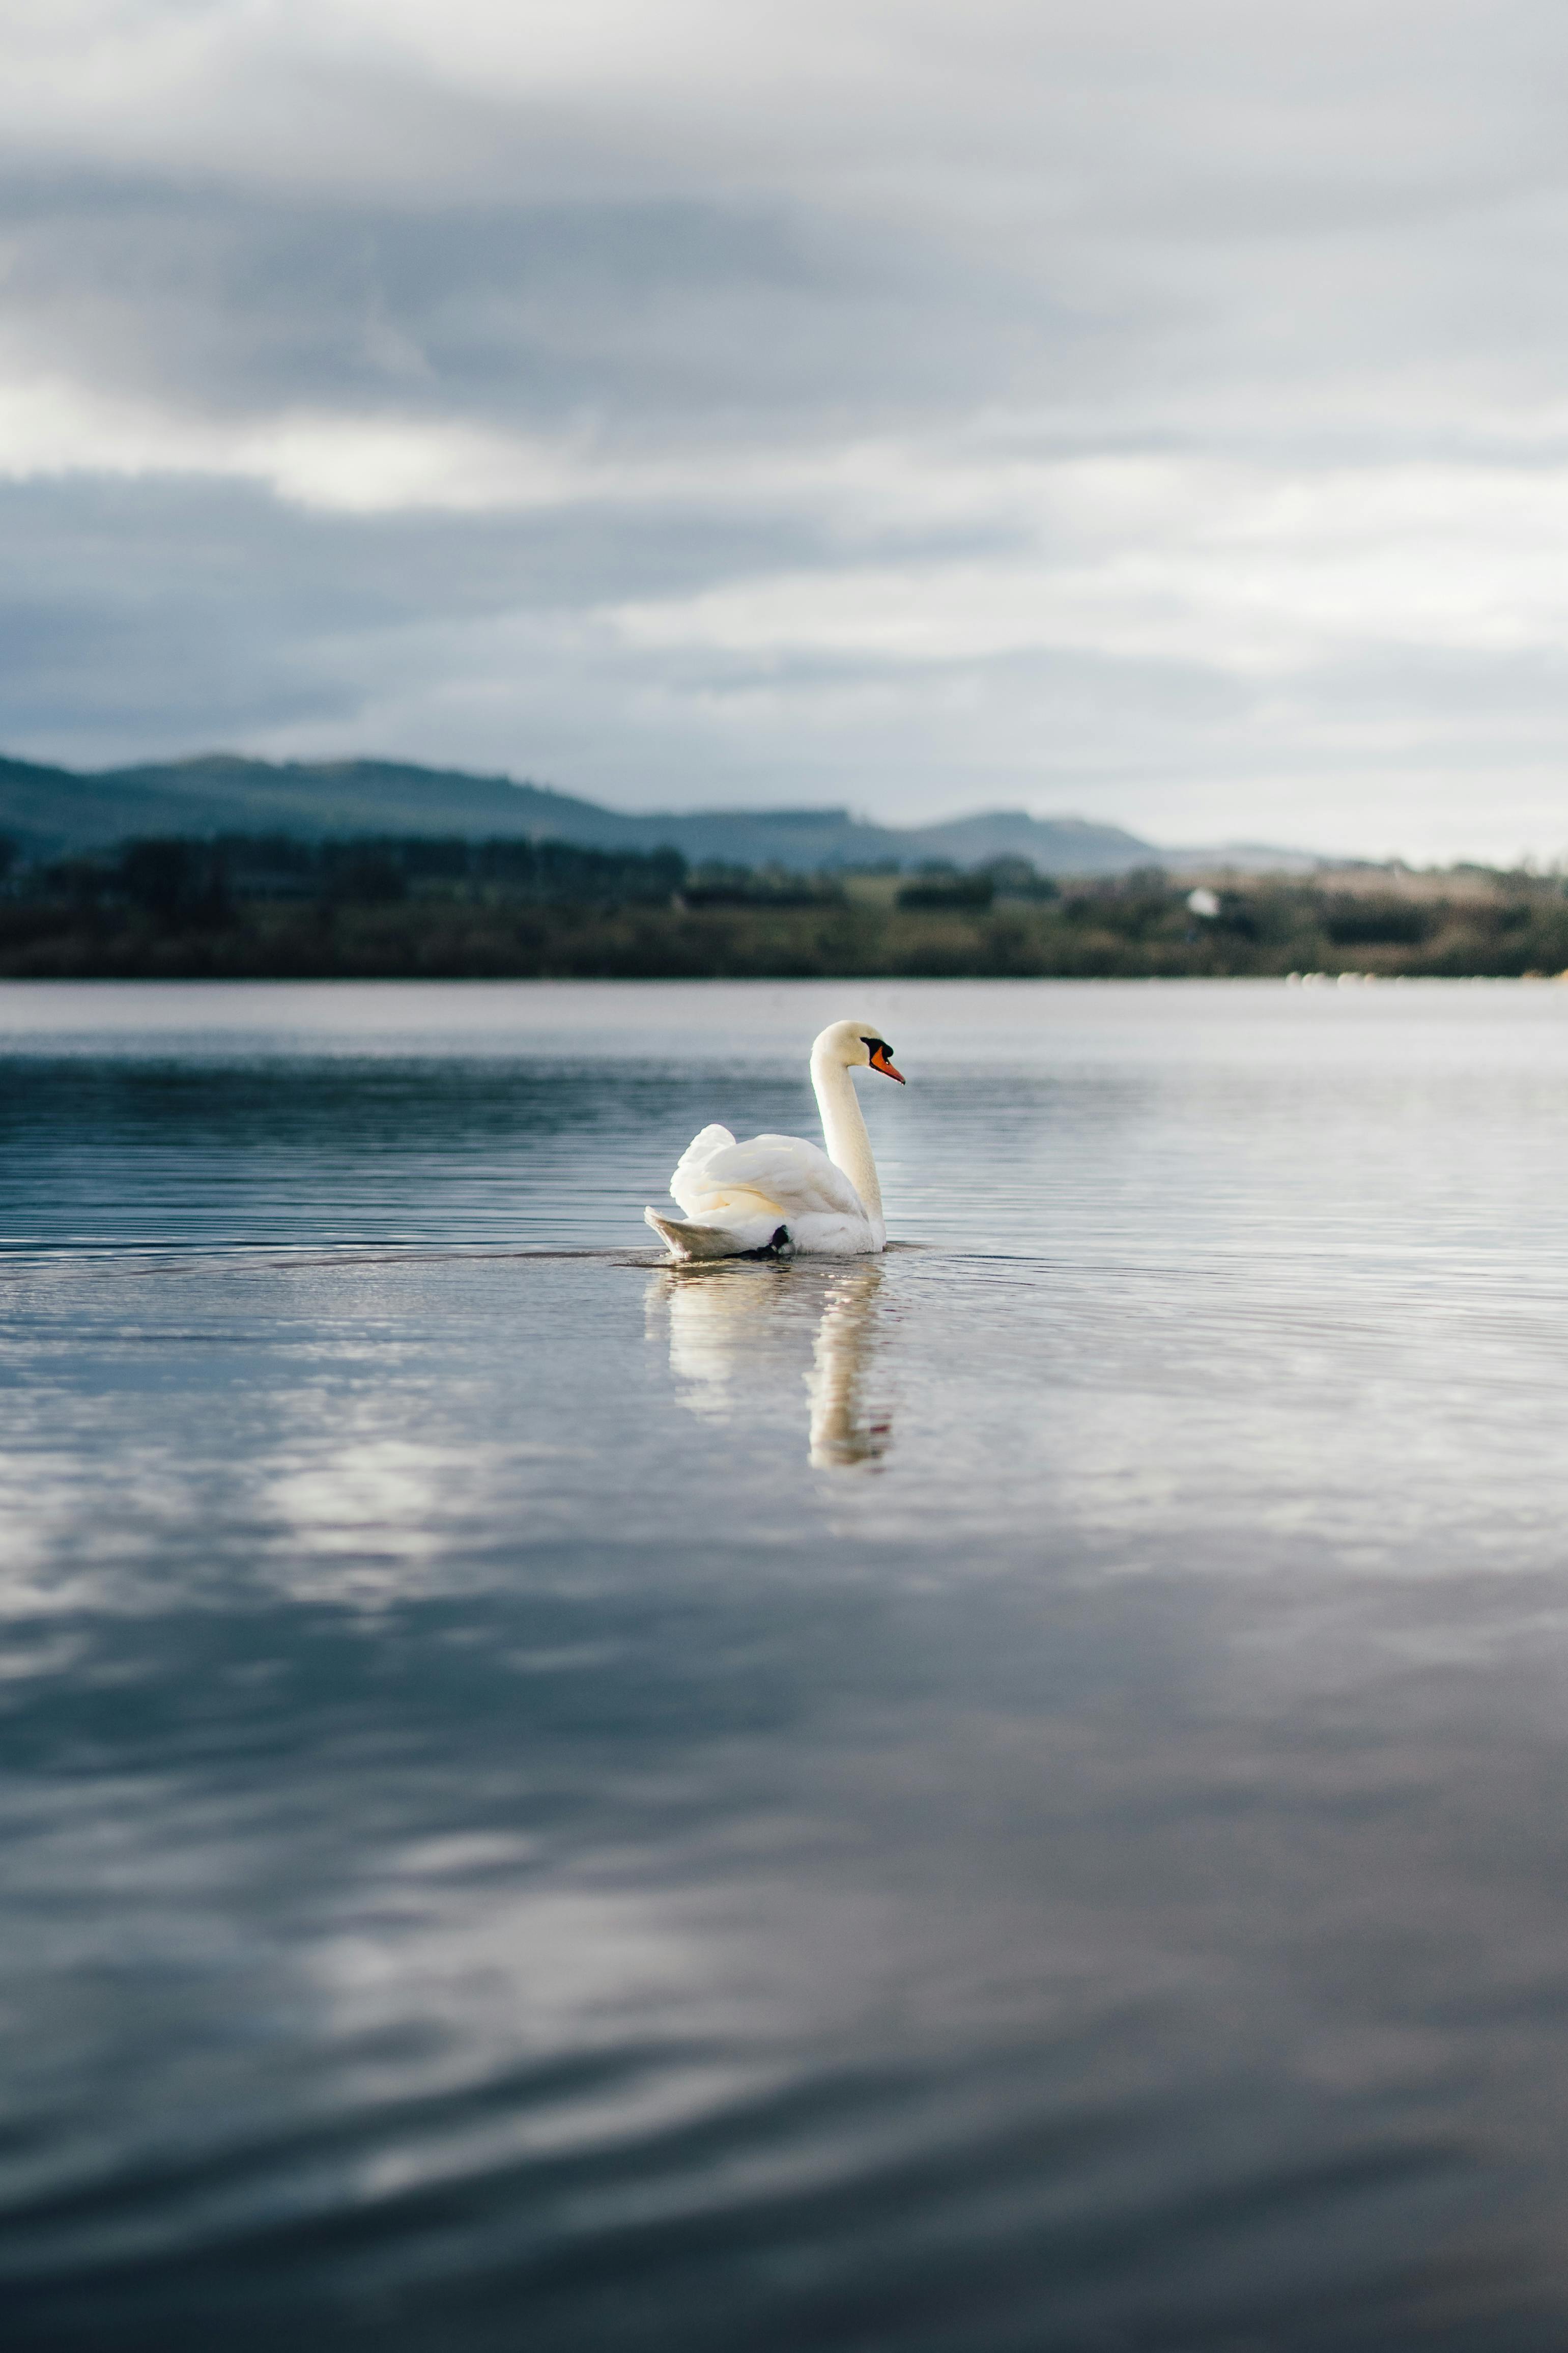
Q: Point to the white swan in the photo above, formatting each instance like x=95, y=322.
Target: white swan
x=778, y=1196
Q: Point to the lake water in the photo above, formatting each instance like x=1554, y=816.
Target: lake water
x=1012, y=1799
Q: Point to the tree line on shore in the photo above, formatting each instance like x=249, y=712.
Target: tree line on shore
x=270, y=906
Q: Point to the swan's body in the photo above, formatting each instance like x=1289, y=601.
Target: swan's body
x=778, y=1195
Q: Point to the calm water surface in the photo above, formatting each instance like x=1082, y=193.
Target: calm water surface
x=1011, y=1797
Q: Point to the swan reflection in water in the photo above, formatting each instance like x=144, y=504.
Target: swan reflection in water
x=738, y=1332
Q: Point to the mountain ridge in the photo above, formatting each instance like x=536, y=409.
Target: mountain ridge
x=49, y=811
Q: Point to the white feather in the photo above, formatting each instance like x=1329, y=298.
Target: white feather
x=796, y=1178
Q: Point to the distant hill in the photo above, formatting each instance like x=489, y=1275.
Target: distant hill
x=57, y=810
x=50, y=811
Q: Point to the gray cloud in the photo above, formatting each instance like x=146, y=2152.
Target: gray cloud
x=1158, y=415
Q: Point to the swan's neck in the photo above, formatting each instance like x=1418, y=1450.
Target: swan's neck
x=844, y=1131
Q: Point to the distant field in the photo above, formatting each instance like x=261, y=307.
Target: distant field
x=273, y=908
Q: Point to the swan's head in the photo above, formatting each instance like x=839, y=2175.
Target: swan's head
x=854, y=1044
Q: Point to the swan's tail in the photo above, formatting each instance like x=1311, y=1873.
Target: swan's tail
x=685, y=1240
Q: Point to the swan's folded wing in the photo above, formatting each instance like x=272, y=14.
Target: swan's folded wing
x=797, y=1177
x=688, y=1184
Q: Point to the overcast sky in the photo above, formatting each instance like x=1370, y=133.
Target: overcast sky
x=1151, y=410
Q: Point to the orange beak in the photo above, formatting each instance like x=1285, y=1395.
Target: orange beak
x=879, y=1062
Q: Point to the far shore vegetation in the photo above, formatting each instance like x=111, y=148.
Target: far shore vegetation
x=272, y=907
